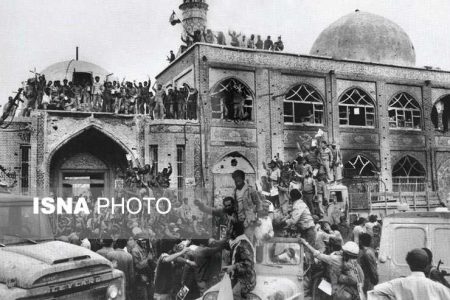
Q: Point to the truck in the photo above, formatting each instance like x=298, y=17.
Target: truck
x=404, y=231
x=279, y=271
x=33, y=266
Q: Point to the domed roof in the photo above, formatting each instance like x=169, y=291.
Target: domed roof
x=366, y=37
x=65, y=69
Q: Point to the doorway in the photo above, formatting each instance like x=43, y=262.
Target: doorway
x=78, y=184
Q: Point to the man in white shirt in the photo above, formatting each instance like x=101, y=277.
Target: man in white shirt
x=414, y=287
x=264, y=230
x=359, y=228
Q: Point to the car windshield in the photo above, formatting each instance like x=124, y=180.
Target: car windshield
x=285, y=253
x=18, y=224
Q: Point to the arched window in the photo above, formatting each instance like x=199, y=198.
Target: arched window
x=404, y=112
x=440, y=114
x=359, y=166
x=408, y=175
x=231, y=99
x=356, y=108
x=303, y=105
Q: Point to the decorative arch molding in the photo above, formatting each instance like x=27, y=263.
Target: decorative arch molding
x=249, y=155
x=67, y=139
x=231, y=162
x=84, y=161
x=356, y=87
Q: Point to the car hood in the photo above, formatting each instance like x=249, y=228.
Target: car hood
x=270, y=287
x=26, y=264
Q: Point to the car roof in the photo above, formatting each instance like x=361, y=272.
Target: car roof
x=415, y=214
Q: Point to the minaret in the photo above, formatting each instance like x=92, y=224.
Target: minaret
x=194, y=15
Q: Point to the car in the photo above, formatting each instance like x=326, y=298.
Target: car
x=279, y=271
x=35, y=266
x=404, y=231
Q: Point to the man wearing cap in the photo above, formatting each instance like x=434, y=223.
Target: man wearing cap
x=414, y=287
x=142, y=262
x=345, y=274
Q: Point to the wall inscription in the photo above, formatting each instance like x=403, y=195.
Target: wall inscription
x=220, y=134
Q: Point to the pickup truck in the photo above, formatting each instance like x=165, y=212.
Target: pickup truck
x=279, y=272
x=34, y=266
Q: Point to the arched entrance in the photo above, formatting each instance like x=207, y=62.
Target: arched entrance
x=440, y=114
x=89, y=163
x=223, y=182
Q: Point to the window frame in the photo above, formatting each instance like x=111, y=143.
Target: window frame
x=219, y=87
x=361, y=158
x=315, y=110
x=181, y=171
x=402, y=111
x=348, y=106
x=25, y=164
x=413, y=182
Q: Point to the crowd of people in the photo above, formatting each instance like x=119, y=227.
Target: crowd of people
x=124, y=97
x=182, y=254
x=162, y=267
x=235, y=39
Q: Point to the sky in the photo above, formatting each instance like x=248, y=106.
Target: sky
x=132, y=38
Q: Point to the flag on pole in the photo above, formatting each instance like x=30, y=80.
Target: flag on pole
x=174, y=19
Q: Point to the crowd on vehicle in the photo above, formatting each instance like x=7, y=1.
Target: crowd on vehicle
x=124, y=97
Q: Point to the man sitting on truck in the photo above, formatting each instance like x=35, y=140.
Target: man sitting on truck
x=414, y=287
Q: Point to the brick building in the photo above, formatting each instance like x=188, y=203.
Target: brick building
x=359, y=85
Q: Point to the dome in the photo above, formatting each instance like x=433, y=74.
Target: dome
x=65, y=69
x=366, y=37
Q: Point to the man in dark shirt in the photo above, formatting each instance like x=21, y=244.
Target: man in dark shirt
x=124, y=262
x=165, y=271
x=259, y=43
x=268, y=44
x=278, y=46
x=368, y=262
x=106, y=247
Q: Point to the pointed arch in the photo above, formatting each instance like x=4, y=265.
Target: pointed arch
x=79, y=132
x=408, y=175
x=303, y=104
x=232, y=99
x=404, y=112
x=359, y=166
x=232, y=161
x=356, y=108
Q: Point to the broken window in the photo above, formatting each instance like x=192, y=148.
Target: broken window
x=408, y=175
x=359, y=166
x=231, y=99
x=356, y=108
x=303, y=105
x=404, y=112
x=440, y=113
